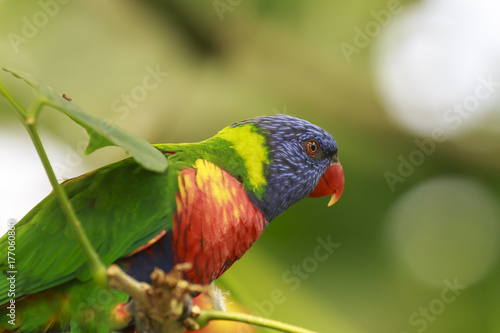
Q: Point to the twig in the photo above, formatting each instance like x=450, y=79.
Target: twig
x=28, y=118
x=207, y=315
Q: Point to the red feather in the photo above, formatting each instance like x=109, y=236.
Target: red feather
x=215, y=222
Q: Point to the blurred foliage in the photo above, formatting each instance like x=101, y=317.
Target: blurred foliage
x=264, y=58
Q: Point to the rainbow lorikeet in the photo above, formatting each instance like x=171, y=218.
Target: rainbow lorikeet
x=209, y=206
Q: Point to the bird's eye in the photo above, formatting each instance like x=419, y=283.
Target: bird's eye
x=312, y=147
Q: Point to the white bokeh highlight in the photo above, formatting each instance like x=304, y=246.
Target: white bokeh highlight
x=429, y=63
x=445, y=228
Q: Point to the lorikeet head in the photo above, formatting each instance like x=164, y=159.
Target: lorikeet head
x=297, y=159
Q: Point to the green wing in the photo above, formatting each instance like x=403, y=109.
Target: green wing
x=121, y=206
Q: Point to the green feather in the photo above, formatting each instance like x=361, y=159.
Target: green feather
x=116, y=222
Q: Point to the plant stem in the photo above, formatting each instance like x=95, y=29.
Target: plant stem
x=28, y=118
x=20, y=110
x=207, y=315
x=96, y=266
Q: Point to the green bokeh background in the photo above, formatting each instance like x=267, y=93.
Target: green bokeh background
x=267, y=57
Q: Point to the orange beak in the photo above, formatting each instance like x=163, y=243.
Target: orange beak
x=331, y=183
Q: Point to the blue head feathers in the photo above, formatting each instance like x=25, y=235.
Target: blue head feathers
x=299, y=154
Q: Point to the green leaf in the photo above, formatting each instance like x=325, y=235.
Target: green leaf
x=102, y=133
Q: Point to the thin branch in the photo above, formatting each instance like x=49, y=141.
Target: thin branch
x=28, y=118
x=20, y=110
x=207, y=315
x=160, y=301
x=97, y=268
